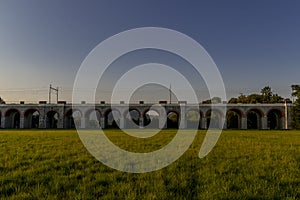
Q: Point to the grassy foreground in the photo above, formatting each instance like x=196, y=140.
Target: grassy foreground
x=244, y=165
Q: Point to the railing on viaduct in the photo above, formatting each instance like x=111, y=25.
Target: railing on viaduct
x=181, y=115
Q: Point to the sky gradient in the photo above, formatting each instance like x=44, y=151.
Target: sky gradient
x=254, y=43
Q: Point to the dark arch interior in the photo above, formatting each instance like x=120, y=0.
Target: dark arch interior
x=31, y=119
x=132, y=119
x=234, y=119
x=151, y=119
x=52, y=119
x=172, y=120
x=12, y=119
x=274, y=119
x=73, y=119
x=93, y=118
x=112, y=119
x=253, y=119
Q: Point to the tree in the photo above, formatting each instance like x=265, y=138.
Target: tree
x=233, y=100
x=213, y=100
x=2, y=101
x=216, y=100
x=266, y=96
x=206, y=101
x=287, y=100
x=276, y=99
x=296, y=92
x=242, y=98
x=254, y=98
x=296, y=107
x=266, y=93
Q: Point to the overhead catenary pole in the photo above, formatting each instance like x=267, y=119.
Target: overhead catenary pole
x=56, y=94
x=170, y=93
x=50, y=92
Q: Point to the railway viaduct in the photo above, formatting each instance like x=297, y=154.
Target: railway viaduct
x=163, y=115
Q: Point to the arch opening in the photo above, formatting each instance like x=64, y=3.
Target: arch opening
x=132, y=119
x=172, y=120
x=233, y=118
x=12, y=118
x=274, y=119
x=254, y=119
x=193, y=119
x=73, y=119
x=52, y=119
x=93, y=119
x=213, y=119
x=151, y=119
x=31, y=118
x=112, y=119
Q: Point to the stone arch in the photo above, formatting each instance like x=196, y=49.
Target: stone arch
x=112, y=118
x=234, y=118
x=52, y=118
x=275, y=119
x=12, y=118
x=254, y=118
x=93, y=118
x=194, y=119
x=213, y=119
x=173, y=119
x=73, y=118
x=151, y=118
x=132, y=118
x=31, y=118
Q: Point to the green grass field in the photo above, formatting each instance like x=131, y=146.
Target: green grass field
x=45, y=164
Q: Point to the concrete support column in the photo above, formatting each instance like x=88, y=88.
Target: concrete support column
x=182, y=119
x=162, y=122
x=203, y=123
x=282, y=123
x=3, y=122
x=141, y=124
x=122, y=122
x=42, y=121
x=83, y=122
x=102, y=122
x=42, y=118
x=21, y=121
x=60, y=123
x=182, y=122
x=264, y=122
x=243, y=123
x=225, y=124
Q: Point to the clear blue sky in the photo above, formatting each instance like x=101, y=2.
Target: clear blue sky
x=254, y=43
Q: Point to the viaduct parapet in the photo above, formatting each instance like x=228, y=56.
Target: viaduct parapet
x=184, y=116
